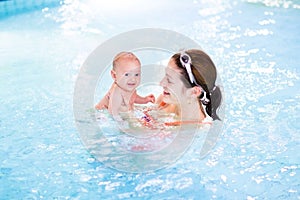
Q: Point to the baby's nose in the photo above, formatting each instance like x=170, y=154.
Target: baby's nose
x=133, y=78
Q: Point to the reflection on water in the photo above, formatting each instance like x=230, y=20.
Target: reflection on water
x=132, y=146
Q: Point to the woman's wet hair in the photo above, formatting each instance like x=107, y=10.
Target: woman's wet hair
x=204, y=73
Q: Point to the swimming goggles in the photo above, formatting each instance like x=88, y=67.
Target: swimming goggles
x=186, y=62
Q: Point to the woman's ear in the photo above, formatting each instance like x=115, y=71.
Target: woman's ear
x=113, y=74
x=194, y=91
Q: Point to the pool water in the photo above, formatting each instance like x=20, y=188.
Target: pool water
x=254, y=45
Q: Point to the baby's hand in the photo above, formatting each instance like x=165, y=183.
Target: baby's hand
x=151, y=98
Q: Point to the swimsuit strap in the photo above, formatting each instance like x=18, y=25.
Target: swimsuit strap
x=162, y=104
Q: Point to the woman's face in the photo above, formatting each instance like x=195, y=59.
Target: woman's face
x=173, y=87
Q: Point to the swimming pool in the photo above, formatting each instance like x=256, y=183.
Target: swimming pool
x=254, y=45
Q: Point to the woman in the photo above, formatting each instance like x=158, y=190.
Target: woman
x=189, y=88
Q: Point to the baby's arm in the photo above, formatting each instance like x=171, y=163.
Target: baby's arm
x=103, y=103
x=115, y=102
x=144, y=100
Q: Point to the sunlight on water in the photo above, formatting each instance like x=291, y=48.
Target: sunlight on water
x=277, y=3
x=256, y=155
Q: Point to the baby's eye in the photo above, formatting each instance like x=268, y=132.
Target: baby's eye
x=137, y=74
x=126, y=74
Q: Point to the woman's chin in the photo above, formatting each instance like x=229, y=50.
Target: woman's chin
x=168, y=100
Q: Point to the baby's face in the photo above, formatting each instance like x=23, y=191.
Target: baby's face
x=128, y=74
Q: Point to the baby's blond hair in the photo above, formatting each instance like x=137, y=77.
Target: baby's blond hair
x=124, y=55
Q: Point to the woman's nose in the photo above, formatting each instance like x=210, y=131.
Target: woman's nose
x=163, y=82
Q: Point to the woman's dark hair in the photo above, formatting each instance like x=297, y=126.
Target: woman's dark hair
x=205, y=73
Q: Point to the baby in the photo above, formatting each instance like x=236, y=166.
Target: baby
x=122, y=94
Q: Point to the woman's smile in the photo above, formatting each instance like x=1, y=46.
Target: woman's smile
x=166, y=93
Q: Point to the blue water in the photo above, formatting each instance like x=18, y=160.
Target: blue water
x=254, y=45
